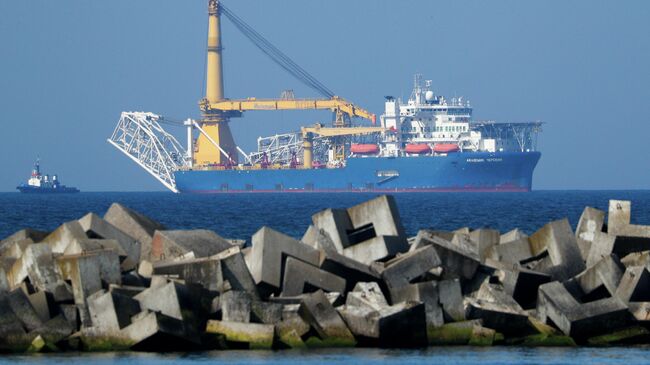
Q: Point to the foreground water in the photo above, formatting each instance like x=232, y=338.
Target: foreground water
x=447, y=356
x=239, y=216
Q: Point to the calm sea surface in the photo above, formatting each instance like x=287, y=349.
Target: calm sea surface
x=239, y=216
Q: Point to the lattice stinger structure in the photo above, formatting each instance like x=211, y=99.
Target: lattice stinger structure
x=140, y=136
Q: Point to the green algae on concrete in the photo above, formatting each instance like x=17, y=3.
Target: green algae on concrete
x=258, y=336
x=457, y=333
x=330, y=342
x=482, y=336
x=542, y=340
x=631, y=335
x=292, y=339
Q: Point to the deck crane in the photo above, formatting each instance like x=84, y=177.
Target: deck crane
x=215, y=145
x=308, y=134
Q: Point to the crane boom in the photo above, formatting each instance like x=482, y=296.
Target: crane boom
x=335, y=104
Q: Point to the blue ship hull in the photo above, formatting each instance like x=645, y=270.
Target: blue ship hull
x=475, y=171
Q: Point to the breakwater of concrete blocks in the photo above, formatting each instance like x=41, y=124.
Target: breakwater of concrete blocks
x=125, y=282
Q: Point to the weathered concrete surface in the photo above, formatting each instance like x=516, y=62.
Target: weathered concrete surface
x=558, y=240
x=316, y=310
x=257, y=336
x=404, y=269
x=97, y=227
x=580, y=320
x=457, y=261
x=64, y=235
x=134, y=224
x=634, y=285
x=235, y=306
x=300, y=277
x=268, y=255
x=174, y=244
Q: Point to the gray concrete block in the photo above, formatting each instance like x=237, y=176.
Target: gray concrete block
x=502, y=318
x=619, y=223
x=456, y=261
x=591, y=221
x=134, y=224
x=634, y=285
x=336, y=223
x=37, y=264
x=578, y=320
x=428, y=293
x=235, y=271
x=558, y=239
x=174, y=244
x=522, y=284
x=43, y=304
x=404, y=269
x=316, y=310
x=266, y=312
x=400, y=325
x=513, y=235
x=35, y=236
x=257, y=336
x=54, y=331
x=206, y=272
x=484, y=239
x=602, y=245
x=451, y=298
x=110, y=311
x=268, y=255
x=65, y=234
x=353, y=271
x=19, y=303
x=607, y=272
x=376, y=248
x=367, y=295
x=636, y=259
x=96, y=227
x=512, y=252
x=235, y=306
x=300, y=277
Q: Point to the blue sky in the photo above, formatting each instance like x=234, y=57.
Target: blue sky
x=67, y=70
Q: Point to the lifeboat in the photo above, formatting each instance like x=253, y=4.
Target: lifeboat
x=417, y=148
x=446, y=148
x=364, y=149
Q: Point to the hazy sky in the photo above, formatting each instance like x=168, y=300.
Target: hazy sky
x=68, y=68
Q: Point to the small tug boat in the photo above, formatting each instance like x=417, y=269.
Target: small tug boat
x=43, y=184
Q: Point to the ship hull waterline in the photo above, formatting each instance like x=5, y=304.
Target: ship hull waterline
x=455, y=172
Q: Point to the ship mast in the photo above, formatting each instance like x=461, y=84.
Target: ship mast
x=214, y=123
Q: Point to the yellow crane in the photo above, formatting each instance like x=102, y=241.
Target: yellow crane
x=216, y=137
x=339, y=148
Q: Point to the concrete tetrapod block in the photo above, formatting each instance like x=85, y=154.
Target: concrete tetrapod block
x=558, y=239
x=172, y=244
x=19, y=303
x=428, y=293
x=402, y=270
x=97, y=227
x=367, y=295
x=316, y=310
x=501, y=317
x=32, y=235
x=512, y=252
x=268, y=255
x=618, y=221
x=235, y=271
x=602, y=245
x=86, y=273
x=555, y=303
x=257, y=336
x=457, y=261
x=235, y=306
x=266, y=312
x=134, y=224
x=110, y=311
x=513, y=235
x=522, y=285
x=382, y=214
x=451, y=298
x=206, y=271
x=336, y=223
x=400, y=325
x=376, y=248
x=37, y=264
x=170, y=299
x=591, y=221
x=634, y=285
x=300, y=277
x=65, y=234
x=607, y=272
x=484, y=239
x=53, y=331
